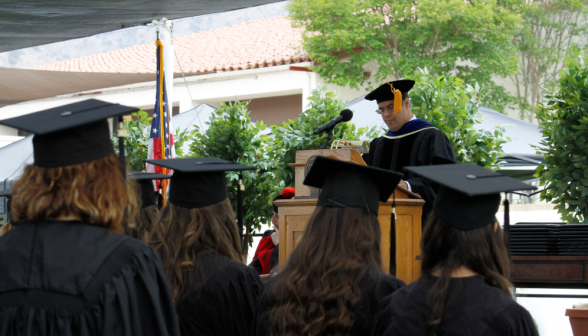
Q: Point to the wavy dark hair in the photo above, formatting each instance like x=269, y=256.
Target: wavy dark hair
x=316, y=291
x=181, y=235
x=141, y=226
x=445, y=249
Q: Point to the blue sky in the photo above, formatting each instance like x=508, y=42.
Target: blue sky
x=49, y=53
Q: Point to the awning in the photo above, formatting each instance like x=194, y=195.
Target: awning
x=29, y=23
x=20, y=85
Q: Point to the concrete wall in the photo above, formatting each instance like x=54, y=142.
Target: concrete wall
x=292, y=88
x=275, y=110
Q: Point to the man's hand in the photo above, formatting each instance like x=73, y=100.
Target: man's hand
x=402, y=184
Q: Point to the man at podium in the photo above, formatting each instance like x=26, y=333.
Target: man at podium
x=409, y=141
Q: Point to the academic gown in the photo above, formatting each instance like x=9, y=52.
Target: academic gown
x=225, y=303
x=374, y=287
x=427, y=146
x=64, y=278
x=267, y=255
x=473, y=308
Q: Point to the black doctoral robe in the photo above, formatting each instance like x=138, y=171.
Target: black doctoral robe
x=225, y=304
x=428, y=146
x=374, y=287
x=473, y=308
x=68, y=278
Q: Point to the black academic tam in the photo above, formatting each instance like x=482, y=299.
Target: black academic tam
x=70, y=134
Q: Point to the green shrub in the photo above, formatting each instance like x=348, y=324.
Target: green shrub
x=564, y=124
x=232, y=136
x=137, y=141
x=297, y=134
x=450, y=106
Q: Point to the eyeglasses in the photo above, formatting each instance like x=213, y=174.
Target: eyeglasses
x=389, y=108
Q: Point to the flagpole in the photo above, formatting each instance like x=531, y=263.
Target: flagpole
x=168, y=73
x=168, y=62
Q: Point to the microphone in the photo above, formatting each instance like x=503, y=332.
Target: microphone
x=345, y=116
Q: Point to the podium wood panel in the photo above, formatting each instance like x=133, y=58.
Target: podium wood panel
x=302, y=156
x=295, y=213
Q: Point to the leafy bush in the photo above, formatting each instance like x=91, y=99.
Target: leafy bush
x=450, y=106
x=232, y=136
x=297, y=134
x=137, y=142
x=564, y=124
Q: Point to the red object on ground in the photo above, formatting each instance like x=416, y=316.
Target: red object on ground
x=579, y=321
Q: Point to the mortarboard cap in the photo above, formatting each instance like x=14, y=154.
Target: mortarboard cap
x=70, y=134
x=148, y=192
x=469, y=196
x=198, y=182
x=347, y=184
x=391, y=91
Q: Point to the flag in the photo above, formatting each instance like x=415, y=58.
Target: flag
x=161, y=139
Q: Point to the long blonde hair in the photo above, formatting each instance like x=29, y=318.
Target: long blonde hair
x=181, y=235
x=95, y=191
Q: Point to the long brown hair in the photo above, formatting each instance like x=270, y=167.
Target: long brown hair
x=316, y=291
x=445, y=249
x=95, y=191
x=141, y=226
x=181, y=235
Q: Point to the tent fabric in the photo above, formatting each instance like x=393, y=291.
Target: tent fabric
x=29, y=23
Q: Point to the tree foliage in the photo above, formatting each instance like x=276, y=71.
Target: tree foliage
x=551, y=30
x=297, y=134
x=137, y=141
x=391, y=38
x=564, y=124
x=447, y=103
x=232, y=136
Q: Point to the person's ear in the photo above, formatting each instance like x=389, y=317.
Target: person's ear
x=406, y=103
x=495, y=226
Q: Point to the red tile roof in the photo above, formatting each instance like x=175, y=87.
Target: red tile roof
x=248, y=45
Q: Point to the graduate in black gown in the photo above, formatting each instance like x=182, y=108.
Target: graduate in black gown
x=333, y=280
x=198, y=240
x=142, y=224
x=409, y=141
x=65, y=269
x=464, y=288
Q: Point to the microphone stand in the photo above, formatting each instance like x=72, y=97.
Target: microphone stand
x=329, y=137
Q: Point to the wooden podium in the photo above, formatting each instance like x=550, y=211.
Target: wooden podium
x=295, y=213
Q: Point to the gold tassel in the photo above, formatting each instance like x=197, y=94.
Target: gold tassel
x=397, y=98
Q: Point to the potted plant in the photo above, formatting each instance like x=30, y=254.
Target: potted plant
x=579, y=319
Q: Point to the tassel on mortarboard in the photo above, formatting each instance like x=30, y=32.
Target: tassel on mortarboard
x=397, y=98
x=392, y=270
x=506, y=230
